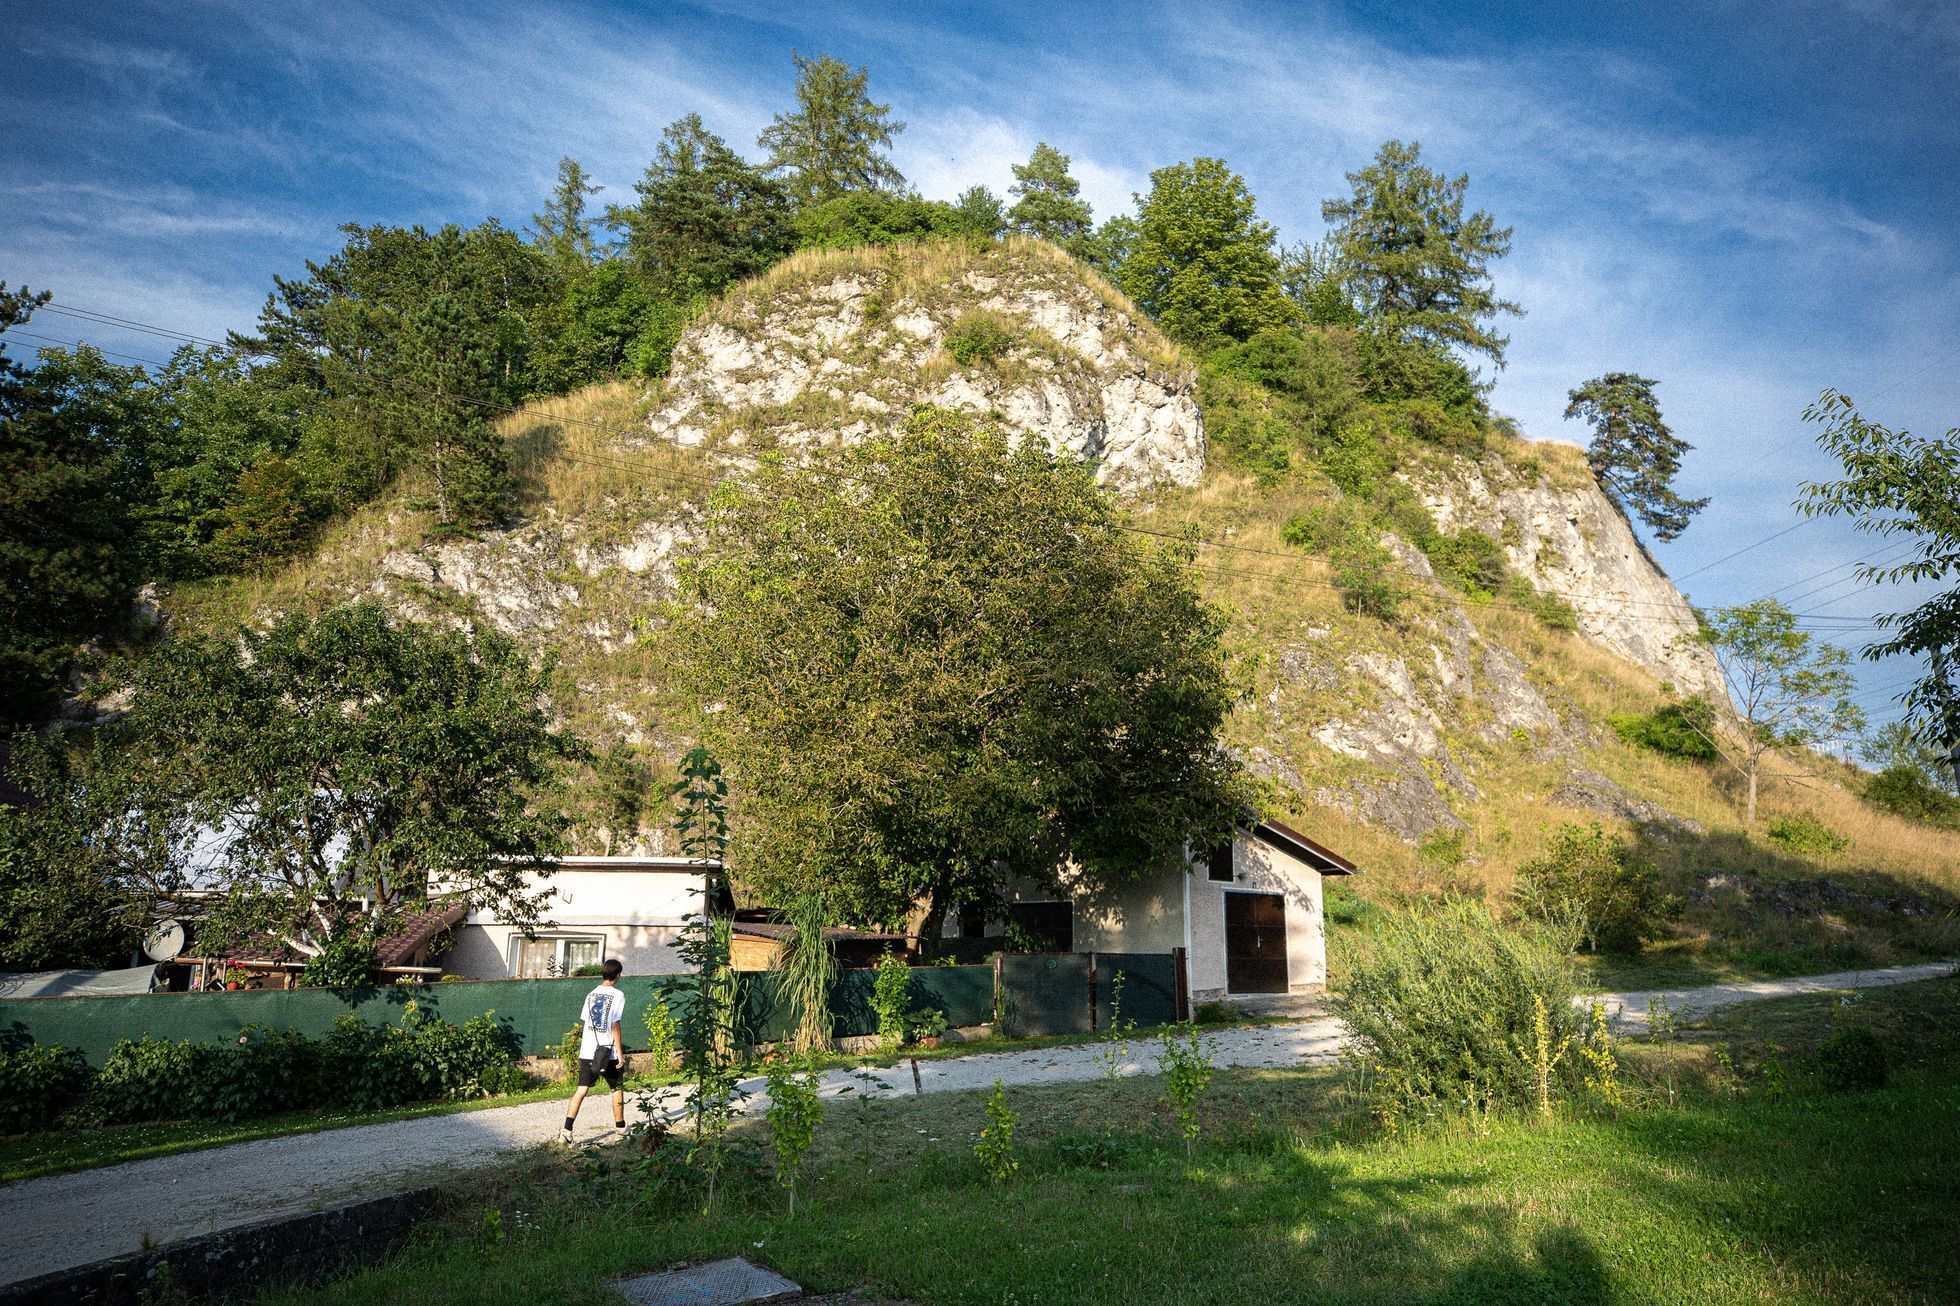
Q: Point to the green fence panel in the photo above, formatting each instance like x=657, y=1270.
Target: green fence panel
x=1149, y=988
x=538, y=1011
x=1044, y=993
x=964, y=993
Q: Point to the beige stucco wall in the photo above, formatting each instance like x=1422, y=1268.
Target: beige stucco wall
x=1257, y=866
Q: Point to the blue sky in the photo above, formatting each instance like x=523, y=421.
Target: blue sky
x=1747, y=202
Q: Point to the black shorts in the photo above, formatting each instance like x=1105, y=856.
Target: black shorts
x=591, y=1068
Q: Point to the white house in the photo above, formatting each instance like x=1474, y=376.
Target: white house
x=625, y=907
x=1249, y=916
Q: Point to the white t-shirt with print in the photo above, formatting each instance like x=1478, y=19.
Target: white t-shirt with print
x=603, y=1008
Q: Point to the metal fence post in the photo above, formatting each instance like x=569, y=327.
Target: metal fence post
x=1178, y=965
x=1092, y=993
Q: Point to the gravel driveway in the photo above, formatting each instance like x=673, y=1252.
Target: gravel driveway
x=65, y=1220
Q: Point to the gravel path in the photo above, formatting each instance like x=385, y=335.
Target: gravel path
x=1630, y=1010
x=74, y=1219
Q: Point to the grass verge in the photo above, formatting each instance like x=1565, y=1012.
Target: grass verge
x=1730, y=1194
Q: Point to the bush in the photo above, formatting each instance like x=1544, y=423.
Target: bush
x=979, y=338
x=889, y=999
x=1441, y=1000
x=36, y=1082
x=1363, y=567
x=1805, y=834
x=1853, y=1059
x=346, y=963
x=1904, y=790
x=1683, y=729
x=1593, y=879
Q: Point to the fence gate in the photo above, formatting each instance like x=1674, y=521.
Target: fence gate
x=1042, y=993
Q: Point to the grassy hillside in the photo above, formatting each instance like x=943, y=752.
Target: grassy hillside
x=580, y=577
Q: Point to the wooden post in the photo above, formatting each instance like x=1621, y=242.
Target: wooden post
x=1092, y=993
x=1000, y=1024
x=1178, y=964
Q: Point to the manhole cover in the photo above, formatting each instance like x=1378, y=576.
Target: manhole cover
x=718, y=1283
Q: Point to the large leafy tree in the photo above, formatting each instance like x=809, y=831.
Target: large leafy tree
x=706, y=216
x=1202, y=262
x=1789, y=691
x=935, y=660
x=836, y=140
x=71, y=461
x=340, y=771
x=1049, y=202
x=1633, y=454
x=1899, y=484
x=1418, y=266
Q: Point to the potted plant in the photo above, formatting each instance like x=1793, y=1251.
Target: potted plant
x=928, y=1026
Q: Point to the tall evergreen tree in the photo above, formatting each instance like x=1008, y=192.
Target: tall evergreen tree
x=1633, y=455
x=70, y=476
x=562, y=231
x=980, y=211
x=836, y=140
x=706, y=216
x=1203, y=262
x=1418, y=266
x=449, y=376
x=1050, y=204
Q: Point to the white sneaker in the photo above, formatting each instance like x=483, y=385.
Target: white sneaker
x=565, y=1136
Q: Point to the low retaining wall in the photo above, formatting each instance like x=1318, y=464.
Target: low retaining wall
x=237, y=1264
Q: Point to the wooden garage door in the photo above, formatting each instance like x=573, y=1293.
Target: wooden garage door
x=1255, y=943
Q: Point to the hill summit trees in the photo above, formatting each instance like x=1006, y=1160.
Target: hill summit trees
x=1633, y=455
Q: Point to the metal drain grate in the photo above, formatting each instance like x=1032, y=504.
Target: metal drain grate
x=733, y=1282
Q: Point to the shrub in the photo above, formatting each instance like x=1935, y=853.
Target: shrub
x=663, y=1033
x=1805, y=835
x=148, y=1079
x=995, y=1146
x=979, y=338
x=1363, y=567
x=889, y=999
x=1440, y=1001
x=1187, y=1069
x=1904, y=790
x=1853, y=1059
x=1593, y=878
x=36, y=1082
x=346, y=963
x=1683, y=729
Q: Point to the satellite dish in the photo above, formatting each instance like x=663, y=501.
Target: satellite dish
x=164, y=941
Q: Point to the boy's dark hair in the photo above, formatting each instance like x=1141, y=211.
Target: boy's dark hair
x=610, y=968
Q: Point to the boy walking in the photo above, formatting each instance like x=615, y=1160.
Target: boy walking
x=601, y=1049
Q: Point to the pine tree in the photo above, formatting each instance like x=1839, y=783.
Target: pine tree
x=706, y=217
x=1633, y=455
x=980, y=211
x=1050, y=206
x=562, y=231
x=1203, y=263
x=447, y=375
x=836, y=140
x=1419, y=267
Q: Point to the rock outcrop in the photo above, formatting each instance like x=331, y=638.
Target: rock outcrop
x=829, y=351
x=1573, y=543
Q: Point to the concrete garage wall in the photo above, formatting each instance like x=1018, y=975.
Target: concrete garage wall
x=1144, y=915
x=1259, y=867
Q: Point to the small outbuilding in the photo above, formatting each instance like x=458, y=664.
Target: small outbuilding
x=632, y=908
x=1249, y=916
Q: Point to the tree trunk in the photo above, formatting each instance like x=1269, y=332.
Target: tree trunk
x=926, y=922
x=1751, y=820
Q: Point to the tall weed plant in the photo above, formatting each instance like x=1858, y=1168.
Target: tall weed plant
x=1441, y=999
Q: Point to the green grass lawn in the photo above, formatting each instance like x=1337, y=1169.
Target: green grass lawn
x=1295, y=1196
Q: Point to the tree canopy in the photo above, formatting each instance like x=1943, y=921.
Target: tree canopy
x=562, y=230
x=1202, y=262
x=836, y=140
x=1789, y=691
x=1633, y=454
x=706, y=217
x=70, y=486
x=1418, y=266
x=1896, y=483
x=334, y=763
x=1049, y=203
x=932, y=660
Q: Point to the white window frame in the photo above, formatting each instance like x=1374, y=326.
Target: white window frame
x=558, y=968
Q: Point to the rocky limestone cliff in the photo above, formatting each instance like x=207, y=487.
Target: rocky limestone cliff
x=1405, y=728
x=1572, y=542
x=828, y=347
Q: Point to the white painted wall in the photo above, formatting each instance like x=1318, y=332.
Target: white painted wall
x=634, y=904
x=1258, y=866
